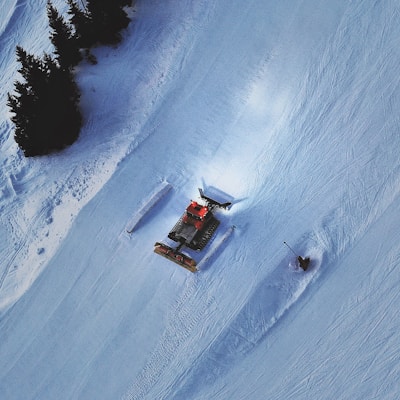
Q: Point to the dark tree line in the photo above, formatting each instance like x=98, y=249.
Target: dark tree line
x=45, y=105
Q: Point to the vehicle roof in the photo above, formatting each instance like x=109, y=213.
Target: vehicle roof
x=197, y=209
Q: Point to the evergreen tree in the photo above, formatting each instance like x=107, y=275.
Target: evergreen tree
x=109, y=18
x=100, y=22
x=82, y=22
x=65, y=43
x=45, y=106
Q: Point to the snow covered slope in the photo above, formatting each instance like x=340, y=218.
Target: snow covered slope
x=41, y=197
x=289, y=108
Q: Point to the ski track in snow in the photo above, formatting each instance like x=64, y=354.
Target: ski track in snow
x=183, y=323
x=8, y=9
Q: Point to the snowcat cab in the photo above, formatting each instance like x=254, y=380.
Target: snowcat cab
x=196, y=215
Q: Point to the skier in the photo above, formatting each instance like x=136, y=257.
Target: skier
x=303, y=262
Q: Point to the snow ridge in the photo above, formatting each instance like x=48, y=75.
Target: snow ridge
x=147, y=205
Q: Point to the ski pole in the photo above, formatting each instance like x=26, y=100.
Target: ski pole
x=290, y=249
x=303, y=262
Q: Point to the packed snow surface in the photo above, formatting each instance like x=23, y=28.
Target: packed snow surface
x=290, y=110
